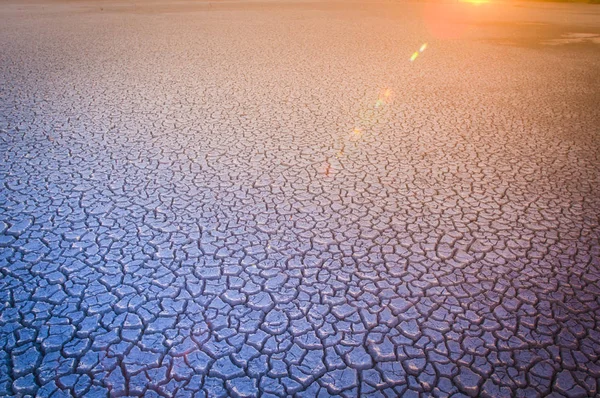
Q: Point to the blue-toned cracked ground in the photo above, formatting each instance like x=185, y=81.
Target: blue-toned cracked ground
x=206, y=200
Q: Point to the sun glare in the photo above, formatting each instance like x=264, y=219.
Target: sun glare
x=475, y=2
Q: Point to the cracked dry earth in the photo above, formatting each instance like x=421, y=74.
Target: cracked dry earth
x=220, y=200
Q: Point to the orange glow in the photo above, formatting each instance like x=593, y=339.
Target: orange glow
x=452, y=20
x=474, y=2
x=445, y=21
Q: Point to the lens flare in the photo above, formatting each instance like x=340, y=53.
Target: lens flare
x=417, y=53
x=356, y=134
x=384, y=97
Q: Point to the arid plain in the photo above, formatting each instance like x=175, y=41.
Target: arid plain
x=299, y=199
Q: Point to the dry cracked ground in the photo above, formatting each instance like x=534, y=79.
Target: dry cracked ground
x=270, y=199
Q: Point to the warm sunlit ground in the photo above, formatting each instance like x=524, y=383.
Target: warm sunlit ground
x=315, y=198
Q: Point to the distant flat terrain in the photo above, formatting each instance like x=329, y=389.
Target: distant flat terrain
x=273, y=198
